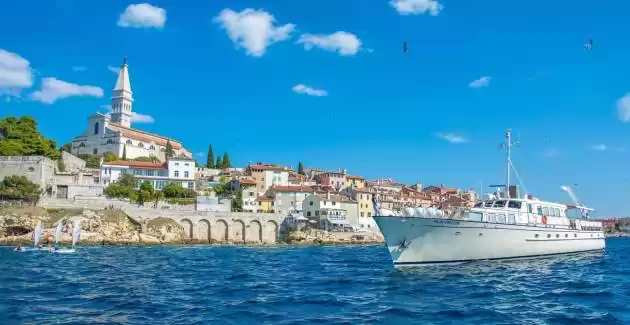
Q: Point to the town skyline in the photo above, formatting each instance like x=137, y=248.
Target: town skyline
x=351, y=100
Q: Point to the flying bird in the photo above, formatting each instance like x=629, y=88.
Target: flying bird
x=588, y=46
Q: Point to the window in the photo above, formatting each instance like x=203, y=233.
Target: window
x=152, y=147
x=536, y=236
x=176, y=174
x=361, y=214
x=185, y=174
x=129, y=142
x=548, y=235
x=334, y=203
x=110, y=141
x=529, y=208
x=31, y=169
x=96, y=128
x=539, y=210
x=308, y=213
x=95, y=151
x=176, y=164
x=514, y=204
x=190, y=185
x=310, y=203
x=545, y=211
x=557, y=235
x=317, y=213
x=557, y=212
x=369, y=214
x=499, y=204
x=140, y=145
x=82, y=145
x=186, y=164
x=251, y=193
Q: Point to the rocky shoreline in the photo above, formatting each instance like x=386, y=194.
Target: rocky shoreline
x=114, y=227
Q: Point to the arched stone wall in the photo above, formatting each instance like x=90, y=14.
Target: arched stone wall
x=270, y=232
x=238, y=231
x=204, y=230
x=254, y=232
x=220, y=231
x=188, y=228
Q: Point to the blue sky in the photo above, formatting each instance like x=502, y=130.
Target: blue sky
x=370, y=107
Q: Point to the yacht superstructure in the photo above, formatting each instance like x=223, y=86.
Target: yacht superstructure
x=503, y=226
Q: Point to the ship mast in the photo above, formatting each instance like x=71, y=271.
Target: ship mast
x=508, y=162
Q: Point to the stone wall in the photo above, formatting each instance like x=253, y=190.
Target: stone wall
x=38, y=169
x=73, y=163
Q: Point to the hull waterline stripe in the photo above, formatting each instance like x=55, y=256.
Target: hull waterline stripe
x=496, y=258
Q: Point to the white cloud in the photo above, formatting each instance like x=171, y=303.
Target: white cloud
x=141, y=118
x=481, y=82
x=623, y=108
x=343, y=42
x=306, y=90
x=15, y=73
x=254, y=30
x=451, y=137
x=135, y=117
x=416, y=7
x=53, y=89
x=113, y=69
x=551, y=153
x=79, y=68
x=143, y=15
x=599, y=147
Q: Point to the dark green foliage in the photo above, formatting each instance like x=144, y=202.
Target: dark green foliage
x=168, y=151
x=109, y=157
x=174, y=190
x=210, y=161
x=127, y=180
x=226, y=161
x=301, y=168
x=20, y=137
x=16, y=187
x=219, y=163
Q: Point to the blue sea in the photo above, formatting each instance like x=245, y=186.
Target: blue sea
x=306, y=285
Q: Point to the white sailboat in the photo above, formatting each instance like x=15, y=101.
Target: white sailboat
x=501, y=227
x=37, y=234
x=58, y=232
x=76, y=233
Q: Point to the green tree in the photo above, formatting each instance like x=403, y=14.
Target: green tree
x=219, y=163
x=91, y=161
x=116, y=190
x=210, y=160
x=20, y=137
x=61, y=166
x=67, y=147
x=222, y=189
x=16, y=187
x=169, y=152
x=127, y=180
x=146, y=191
x=174, y=190
x=109, y=157
x=226, y=161
x=124, y=155
x=301, y=168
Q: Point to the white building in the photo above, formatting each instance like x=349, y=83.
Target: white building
x=179, y=170
x=289, y=199
x=331, y=208
x=114, y=133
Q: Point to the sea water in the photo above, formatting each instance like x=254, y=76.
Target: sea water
x=307, y=285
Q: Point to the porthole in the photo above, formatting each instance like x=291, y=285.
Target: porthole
x=575, y=235
x=566, y=235
x=557, y=235
x=536, y=236
x=548, y=235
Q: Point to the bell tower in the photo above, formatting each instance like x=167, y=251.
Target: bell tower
x=122, y=99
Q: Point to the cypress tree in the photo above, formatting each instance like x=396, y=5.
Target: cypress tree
x=300, y=168
x=210, y=162
x=226, y=160
x=219, y=163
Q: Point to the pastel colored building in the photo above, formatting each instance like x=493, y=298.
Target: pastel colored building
x=180, y=170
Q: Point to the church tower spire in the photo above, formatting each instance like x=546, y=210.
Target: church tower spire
x=122, y=99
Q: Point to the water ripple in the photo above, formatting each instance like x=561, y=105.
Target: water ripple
x=306, y=285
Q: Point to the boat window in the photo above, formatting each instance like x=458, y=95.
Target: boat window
x=512, y=219
x=557, y=235
x=557, y=212
x=492, y=217
x=489, y=203
x=529, y=208
x=548, y=235
x=501, y=218
x=474, y=216
x=514, y=204
x=479, y=205
x=539, y=210
x=536, y=236
x=499, y=204
x=545, y=211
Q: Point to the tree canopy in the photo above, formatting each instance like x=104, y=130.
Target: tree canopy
x=20, y=137
x=226, y=161
x=16, y=187
x=300, y=168
x=210, y=161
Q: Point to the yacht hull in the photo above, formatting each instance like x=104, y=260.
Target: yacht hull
x=425, y=241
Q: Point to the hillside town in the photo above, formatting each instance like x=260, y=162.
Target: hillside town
x=112, y=161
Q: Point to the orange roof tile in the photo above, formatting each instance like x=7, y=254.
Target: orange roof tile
x=354, y=177
x=247, y=181
x=138, y=164
x=144, y=136
x=292, y=188
x=264, y=198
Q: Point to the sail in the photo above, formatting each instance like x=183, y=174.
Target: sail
x=76, y=232
x=58, y=232
x=37, y=233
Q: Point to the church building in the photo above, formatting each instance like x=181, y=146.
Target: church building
x=113, y=132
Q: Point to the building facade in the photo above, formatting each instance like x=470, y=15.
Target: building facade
x=289, y=199
x=180, y=170
x=266, y=176
x=330, y=209
x=113, y=133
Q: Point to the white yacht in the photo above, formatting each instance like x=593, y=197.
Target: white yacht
x=503, y=226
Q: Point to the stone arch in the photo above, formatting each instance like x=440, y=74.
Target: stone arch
x=238, y=231
x=188, y=228
x=271, y=232
x=203, y=230
x=254, y=232
x=220, y=231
